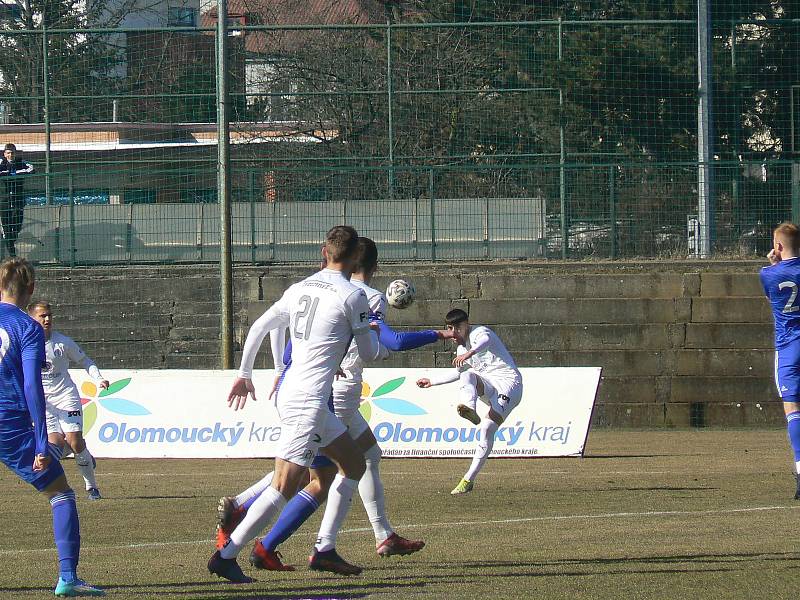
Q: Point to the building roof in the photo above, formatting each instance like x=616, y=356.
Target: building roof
x=296, y=12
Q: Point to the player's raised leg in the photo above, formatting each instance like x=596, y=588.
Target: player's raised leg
x=471, y=387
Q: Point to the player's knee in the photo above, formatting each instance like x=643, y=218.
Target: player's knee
x=355, y=467
x=373, y=454
x=468, y=378
x=76, y=442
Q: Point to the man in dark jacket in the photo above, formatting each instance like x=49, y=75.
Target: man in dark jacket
x=11, y=206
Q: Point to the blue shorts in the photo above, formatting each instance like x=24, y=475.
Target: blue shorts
x=321, y=461
x=18, y=449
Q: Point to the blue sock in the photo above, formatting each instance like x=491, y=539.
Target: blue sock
x=249, y=502
x=793, y=423
x=294, y=514
x=66, y=531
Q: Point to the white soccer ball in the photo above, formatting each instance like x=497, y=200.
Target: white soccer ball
x=400, y=293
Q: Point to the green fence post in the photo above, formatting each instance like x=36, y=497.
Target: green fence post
x=129, y=235
x=795, y=192
x=612, y=199
x=251, y=192
x=390, y=93
x=47, y=126
x=72, y=248
x=431, y=192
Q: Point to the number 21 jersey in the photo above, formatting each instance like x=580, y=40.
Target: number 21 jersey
x=324, y=312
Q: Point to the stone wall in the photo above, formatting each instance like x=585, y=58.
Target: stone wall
x=679, y=343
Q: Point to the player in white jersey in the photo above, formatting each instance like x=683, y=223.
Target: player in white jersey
x=64, y=411
x=346, y=402
x=324, y=312
x=485, y=369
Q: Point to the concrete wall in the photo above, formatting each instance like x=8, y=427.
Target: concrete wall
x=674, y=339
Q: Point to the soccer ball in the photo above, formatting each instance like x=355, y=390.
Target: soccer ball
x=400, y=293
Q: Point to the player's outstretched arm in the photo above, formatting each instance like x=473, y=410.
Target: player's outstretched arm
x=449, y=377
x=408, y=340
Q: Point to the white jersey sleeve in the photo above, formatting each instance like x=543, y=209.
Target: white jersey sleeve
x=277, y=316
x=277, y=343
x=76, y=355
x=357, y=311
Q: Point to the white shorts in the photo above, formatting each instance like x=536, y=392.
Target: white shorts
x=304, y=430
x=68, y=419
x=346, y=402
x=501, y=397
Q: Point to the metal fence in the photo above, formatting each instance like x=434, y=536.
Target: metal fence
x=519, y=132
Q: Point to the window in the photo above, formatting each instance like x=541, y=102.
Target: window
x=181, y=16
x=10, y=12
x=275, y=81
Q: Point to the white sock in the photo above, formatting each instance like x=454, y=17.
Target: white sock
x=268, y=505
x=370, y=488
x=254, y=490
x=85, y=465
x=339, y=497
x=468, y=392
x=488, y=429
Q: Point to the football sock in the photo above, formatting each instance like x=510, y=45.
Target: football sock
x=793, y=424
x=260, y=514
x=370, y=488
x=85, y=465
x=485, y=444
x=339, y=497
x=67, y=534
x=468, y=392
x=247, y=497
x=293, y=515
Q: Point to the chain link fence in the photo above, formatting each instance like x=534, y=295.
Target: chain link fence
x=442, y=130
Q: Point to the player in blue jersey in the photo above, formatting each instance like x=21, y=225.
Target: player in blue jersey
x=781, y=281
x=23, y=433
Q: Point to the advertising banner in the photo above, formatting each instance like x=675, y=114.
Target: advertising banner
x=184, y=414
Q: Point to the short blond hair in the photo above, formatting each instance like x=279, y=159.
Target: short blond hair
x=789, y=235
x=16, y=276
x=44, y=304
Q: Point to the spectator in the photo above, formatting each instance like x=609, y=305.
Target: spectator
x=12, y=205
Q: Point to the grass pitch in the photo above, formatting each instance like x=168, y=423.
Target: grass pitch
x=689, y=514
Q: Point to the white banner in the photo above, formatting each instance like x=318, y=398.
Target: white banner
x=184, y=414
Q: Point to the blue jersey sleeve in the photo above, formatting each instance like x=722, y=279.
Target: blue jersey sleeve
x=287, y=353
x=33, y=357
x=397, y=342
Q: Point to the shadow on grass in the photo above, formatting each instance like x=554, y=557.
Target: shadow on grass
x=165, y=497
x=327, y=588
x=658, y=488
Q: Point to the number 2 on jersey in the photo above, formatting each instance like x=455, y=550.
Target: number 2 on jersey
x=790, y=305
x=304, y=319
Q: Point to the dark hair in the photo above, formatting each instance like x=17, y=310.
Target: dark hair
x=16, y=276
x=366, y=255
x=341, y=242
x=789, y=234
x=10, y=147
x=456, y=316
